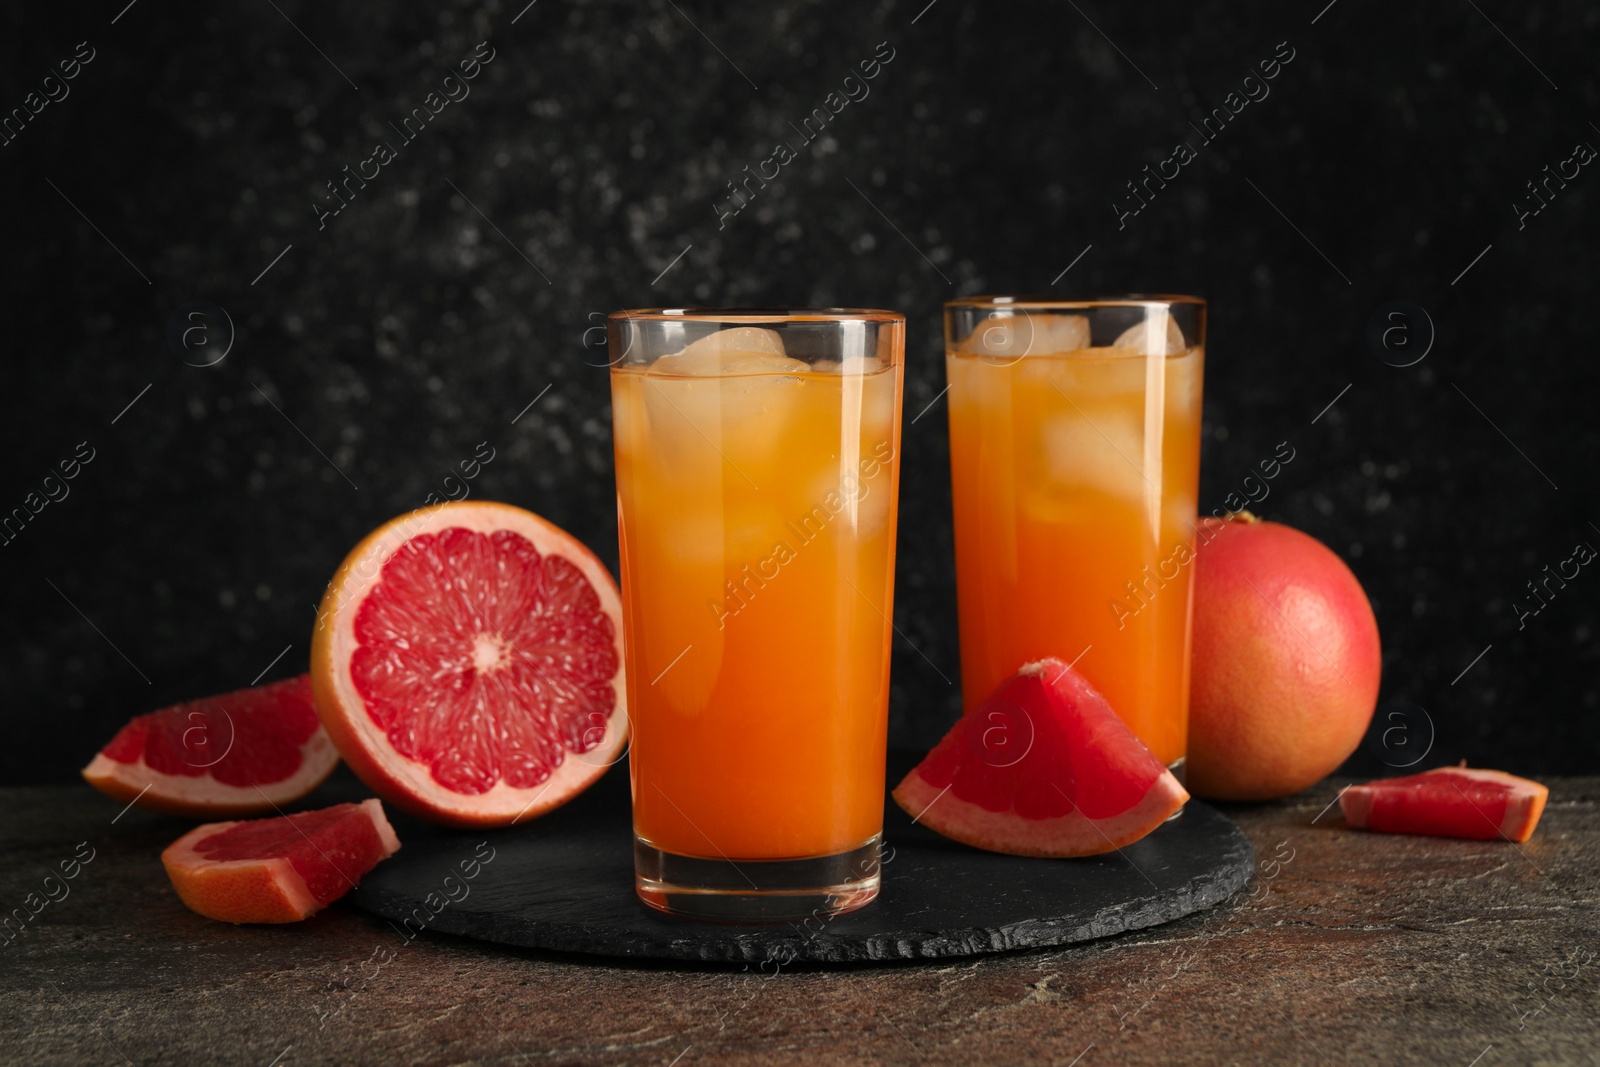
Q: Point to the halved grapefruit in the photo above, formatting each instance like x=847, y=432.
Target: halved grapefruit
x=1043, y=767
x=240, y=753
x=468, y=664
x=1448, y=802
x=278, y=870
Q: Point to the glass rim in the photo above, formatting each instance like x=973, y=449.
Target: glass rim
x=1050, y=303
x=742, y=315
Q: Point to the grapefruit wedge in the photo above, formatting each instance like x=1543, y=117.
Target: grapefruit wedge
x=278, y=870
x=467, y=663
x=1448, y=802
x=241, y=753
x=1043, y=767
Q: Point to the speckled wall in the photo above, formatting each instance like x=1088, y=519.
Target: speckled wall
x=584, y=167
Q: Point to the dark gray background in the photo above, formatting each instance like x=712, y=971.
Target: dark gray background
x=378, y=352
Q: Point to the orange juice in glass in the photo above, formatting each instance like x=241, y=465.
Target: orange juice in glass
x=1075, y=464
x=757, y=457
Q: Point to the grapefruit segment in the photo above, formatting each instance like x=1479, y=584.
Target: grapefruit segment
x=240, y=753
x=1468, y=802
x=467, y=664
x=1043, y=767
x=278, y=870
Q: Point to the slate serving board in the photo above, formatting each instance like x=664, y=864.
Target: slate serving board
x=565, y=882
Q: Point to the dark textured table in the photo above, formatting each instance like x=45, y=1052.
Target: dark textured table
x=1348, y=947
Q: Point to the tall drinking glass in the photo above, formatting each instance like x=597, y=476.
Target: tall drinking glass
x=757, y=479
x=1075, y=466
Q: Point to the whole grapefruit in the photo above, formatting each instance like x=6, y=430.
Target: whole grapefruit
x=1286, y=661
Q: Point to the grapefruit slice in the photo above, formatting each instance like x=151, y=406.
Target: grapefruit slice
x=1448, y=802
x=1043, y=767
x=467, y=663
x=278, y=870
x=241, y=753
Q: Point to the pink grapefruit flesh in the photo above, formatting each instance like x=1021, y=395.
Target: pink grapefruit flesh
x=1043, y=767
x=240, y=753
x=278, y=870
x=467, y=664
x=1465, y=802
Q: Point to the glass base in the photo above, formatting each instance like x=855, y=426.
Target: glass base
x=756, y=891
x=1178, y=767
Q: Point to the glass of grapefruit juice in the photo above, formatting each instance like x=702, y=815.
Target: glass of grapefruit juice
x=757, y=457
x=1075, y=464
